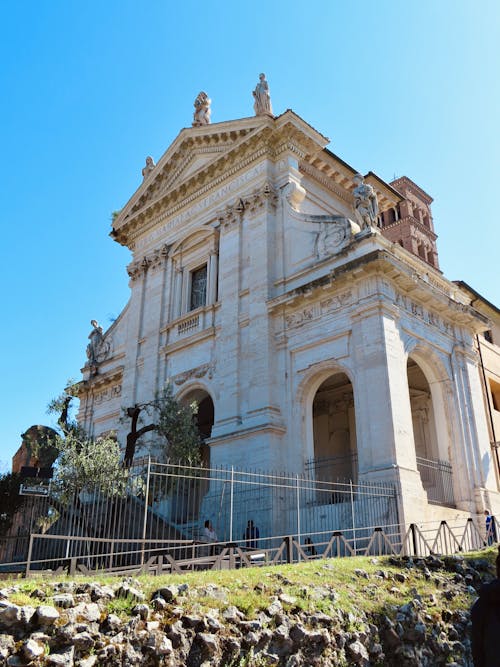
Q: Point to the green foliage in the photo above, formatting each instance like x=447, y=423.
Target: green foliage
x=177, y=428
x=85, y=464
x=10, y=500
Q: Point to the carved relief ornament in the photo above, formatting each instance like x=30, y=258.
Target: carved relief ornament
x=198, y=372
x=264, y=196
x=298, y=318
x=153, y=261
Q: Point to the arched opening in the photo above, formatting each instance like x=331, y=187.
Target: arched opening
x=204, y=419
x=334, y=430
x=431, y=443
x=188, y=497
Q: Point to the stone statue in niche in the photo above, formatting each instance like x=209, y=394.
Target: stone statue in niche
x=365, y=203
x=262, y=98
x=202, y=110
x=148, y=168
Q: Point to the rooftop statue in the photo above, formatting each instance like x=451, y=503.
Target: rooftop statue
x=365, y=203
x=202, y=110
x=262, y=98
x=148, y=168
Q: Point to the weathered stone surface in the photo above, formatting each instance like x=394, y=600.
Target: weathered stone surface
x=32, y=650
x=46, y=615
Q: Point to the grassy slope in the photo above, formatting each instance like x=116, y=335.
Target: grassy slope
x=252, y=589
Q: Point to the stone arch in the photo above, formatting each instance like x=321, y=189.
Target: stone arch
x=198, y=392
x=326, y=399
x=429, y=390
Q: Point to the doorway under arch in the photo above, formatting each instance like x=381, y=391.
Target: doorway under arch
x=334, y=430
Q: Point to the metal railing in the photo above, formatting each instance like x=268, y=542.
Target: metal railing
x=177, y=556
x=334, y=468
x=437, y=480
x=166, y=501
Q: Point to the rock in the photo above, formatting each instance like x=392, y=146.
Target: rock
x=287, y=599
x=361, y=573
x=46, y=616
x=89, y=612
x=141, y=610
x=164, y=646
x=209, y=644
x=64, y=600
x=26, y=614
x=64, y=659
x=357, y=652
x=9, y=613
x=83, y=641
x=168, y=593
x=274, y=608
x=232, y=614
x=127, y=591
x=32, y=650
x=91, y=661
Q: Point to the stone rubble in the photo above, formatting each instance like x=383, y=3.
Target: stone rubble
x=72, y=627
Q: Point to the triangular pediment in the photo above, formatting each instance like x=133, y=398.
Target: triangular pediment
x=193, y=150
x=198, y=155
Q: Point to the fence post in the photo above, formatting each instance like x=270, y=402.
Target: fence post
x=231, y=505
x=298, y=511
x=414, y=539
x=289, y=548
x=353, y=519
x=145, y=524
x=28, y=559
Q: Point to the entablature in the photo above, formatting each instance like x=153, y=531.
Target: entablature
x=436, y=294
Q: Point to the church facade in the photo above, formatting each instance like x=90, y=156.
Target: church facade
x=302, y=306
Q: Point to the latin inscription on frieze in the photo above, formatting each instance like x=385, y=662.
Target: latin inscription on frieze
x=201, y=206
x=423, y=314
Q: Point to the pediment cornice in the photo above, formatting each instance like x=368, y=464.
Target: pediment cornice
x=230, y=148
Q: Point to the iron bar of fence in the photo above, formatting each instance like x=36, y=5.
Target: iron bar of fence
x=146, y=498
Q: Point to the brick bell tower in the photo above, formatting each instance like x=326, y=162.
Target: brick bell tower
x=410, y=223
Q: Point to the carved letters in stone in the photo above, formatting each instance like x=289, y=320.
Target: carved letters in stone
x=425, y=315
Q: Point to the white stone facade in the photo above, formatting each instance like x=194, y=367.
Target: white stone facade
x=252, y=287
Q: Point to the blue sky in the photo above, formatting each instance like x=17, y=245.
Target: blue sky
x=89, y=89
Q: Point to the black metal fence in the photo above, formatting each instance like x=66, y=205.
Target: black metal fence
x=437, y=480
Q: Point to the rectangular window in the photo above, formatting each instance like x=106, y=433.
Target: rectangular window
x=198, y=294
x=495, y=394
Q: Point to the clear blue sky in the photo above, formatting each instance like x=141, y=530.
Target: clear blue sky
x=90, y=88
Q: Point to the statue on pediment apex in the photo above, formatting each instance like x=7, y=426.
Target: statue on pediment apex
x=262, y=98
x=365, y=203
x=148, y=168
x=202, y=110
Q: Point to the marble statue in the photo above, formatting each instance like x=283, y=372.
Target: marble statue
x=262, y=98
x=202, y=110
x=148, y=168
x=96, y=337
x=365, y=203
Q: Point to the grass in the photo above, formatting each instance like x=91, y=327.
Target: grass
x=252, y=590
